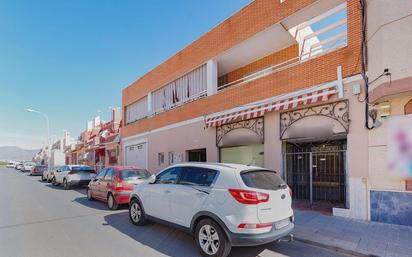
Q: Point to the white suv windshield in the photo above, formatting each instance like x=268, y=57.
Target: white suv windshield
x=262, y=179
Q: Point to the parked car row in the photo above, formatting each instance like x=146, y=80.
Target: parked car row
x=221, y=205
x=23, y=166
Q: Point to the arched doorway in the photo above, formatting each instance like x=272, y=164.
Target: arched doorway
x=315, y=153
x=242, y=142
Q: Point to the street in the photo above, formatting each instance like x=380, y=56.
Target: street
x=39, y=220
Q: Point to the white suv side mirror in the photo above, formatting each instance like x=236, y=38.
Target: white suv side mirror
x=152, y=179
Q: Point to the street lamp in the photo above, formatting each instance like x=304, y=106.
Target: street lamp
x=48, y=133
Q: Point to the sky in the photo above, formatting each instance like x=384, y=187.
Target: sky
x=70, y=59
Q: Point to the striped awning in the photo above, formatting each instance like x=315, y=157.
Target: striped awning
x=276, y=104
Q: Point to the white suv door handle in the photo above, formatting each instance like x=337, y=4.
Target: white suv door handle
x=167, y=191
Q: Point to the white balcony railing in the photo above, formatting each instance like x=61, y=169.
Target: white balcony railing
x=324, y=33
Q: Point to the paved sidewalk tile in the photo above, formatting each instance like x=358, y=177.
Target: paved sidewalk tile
x=357, y=236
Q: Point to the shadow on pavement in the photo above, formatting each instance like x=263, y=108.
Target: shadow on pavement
x=81, y=190
x=96, y=204
x=169, y=241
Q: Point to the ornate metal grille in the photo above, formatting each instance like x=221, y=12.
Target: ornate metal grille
x=338, y=111
x=255, y=125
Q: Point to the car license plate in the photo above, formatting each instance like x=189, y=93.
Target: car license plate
x=282, y=223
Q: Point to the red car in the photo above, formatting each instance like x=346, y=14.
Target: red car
x=113, y=185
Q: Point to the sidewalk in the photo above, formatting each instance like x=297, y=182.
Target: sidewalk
x=360, y=238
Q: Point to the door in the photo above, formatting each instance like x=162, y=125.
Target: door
x=278, y=205
x=190, y=193
x=159, y=194
x=316, y=172
x=248, y=155
x=198, y=155
x=96, y=184
x=107, y=182
x=136, y=155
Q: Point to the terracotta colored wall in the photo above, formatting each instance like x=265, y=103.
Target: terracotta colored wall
x=272, y=59
x=253, y=18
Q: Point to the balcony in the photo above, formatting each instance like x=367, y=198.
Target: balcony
x=315, y=31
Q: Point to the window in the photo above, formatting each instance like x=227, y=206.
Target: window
x=188, y=87
x=80, y=168
x=197, y=176
x=175, y=158
x=101, y=174
x=133, y=174
x=160, y=158
x=110, y=174
x=262, y=179
x=169, y=176
x=136, y=110
x=198, y=155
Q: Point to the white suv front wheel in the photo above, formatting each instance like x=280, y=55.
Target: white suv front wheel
x=211, y=240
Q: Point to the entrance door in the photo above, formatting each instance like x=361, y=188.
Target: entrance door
x=316, y=172
x=248, y=154
x=136, y=155
x=198, y=155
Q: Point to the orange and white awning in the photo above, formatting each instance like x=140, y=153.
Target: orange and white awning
x=282, y=103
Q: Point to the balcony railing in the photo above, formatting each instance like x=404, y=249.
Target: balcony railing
x=325, y=33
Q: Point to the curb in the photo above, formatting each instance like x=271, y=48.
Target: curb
x=334, y=248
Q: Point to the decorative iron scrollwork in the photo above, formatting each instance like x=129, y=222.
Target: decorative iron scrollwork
x=255, y=125
x=338, y=111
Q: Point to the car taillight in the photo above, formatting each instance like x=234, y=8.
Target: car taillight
x=118, y=184
x=248, y=196
x=290, y=192
x=253, y=226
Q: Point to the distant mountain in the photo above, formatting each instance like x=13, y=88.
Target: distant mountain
x=15, y=153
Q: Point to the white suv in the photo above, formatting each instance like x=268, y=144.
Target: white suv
x=222, y=205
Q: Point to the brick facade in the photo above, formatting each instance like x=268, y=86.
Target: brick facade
x=255, y=17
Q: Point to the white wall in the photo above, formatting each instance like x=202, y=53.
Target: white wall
x=389, y=39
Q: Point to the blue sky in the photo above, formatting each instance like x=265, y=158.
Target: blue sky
x=70, y=59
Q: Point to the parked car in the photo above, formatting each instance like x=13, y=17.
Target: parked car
x=19, y=166
x=73, y=175
x=222, y=205
x=10, y=165
x=38, y=170
x=113, y=185
x=49, y=174
x=28, y=166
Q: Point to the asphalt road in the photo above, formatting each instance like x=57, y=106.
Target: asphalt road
x=39, y=220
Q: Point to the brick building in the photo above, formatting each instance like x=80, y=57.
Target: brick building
x=275, y=85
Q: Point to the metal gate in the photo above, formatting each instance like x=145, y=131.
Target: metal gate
x=316, y=172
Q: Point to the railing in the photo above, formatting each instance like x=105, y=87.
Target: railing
x=309, y=44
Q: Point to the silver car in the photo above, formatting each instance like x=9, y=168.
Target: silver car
x=28, y=166
x=49, y=174
x=73, y=175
